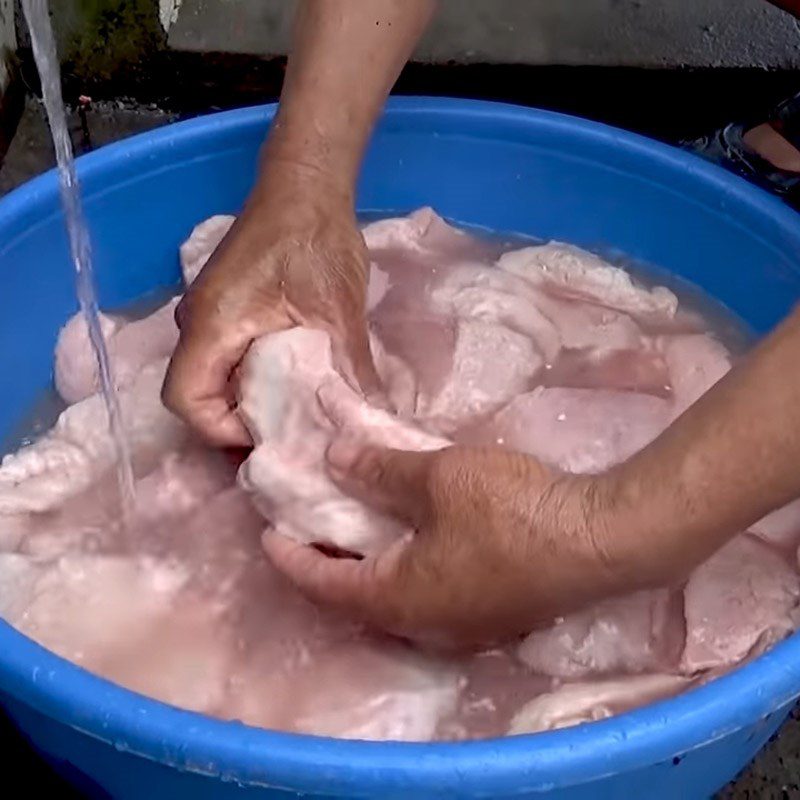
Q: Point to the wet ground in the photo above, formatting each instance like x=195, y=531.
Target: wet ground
x=774, y=775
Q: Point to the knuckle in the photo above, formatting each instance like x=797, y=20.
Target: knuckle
x=371, y=466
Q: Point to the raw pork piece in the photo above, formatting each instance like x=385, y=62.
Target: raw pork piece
x=427, y=239
x=79, y=449
x=580, y=275
x=638, y=633
x=475, y=292
x=577, y=430
x=642, y=370
x=383, y=693
x=583, y=326
x=182, y=482
x=12, y=531
x=491, y=365
x=577, y=703
x=280, y=381
x=495, y=685
x=352, y=690
x=202, y=242
x=696, y=362
x=121, y=618
x=89, y=522
x=741, y=599
x=781, y=527
x=131, y=346
x=303, y=668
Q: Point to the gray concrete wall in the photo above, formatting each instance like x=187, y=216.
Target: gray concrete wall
x=7, y=40
x=644, y=33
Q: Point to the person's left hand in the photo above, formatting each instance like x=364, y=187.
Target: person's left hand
x=501, y=544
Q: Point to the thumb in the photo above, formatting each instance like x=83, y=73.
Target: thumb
x=395, y=482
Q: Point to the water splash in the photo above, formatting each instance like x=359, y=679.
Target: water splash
x=37, y=15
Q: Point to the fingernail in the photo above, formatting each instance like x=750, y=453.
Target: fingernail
x=342, y=454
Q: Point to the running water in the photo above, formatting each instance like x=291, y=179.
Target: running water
x=37, y=15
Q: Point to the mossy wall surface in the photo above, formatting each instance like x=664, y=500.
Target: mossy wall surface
x=98, y=38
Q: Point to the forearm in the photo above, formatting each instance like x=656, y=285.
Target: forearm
x=730, y=459
x=345, y=57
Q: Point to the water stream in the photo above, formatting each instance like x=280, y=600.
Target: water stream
x=37, y=15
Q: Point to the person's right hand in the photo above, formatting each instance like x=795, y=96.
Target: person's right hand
x=295, y=256
x=501, y=544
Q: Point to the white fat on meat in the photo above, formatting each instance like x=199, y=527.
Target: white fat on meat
x=80, y=449
x=202, y=242
x=576, y=430
x=281, y=380
x=578, y=703
x=578, y=274
x=75, y=366
x=738, y=601
x=478, y=293
x=637, y=633
x=131, y=346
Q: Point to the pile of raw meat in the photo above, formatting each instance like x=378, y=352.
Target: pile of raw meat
x=546, y=349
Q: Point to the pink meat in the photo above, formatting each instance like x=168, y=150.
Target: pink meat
x=638, y=633
x=131, y=347
x=352, y=690
x=574, y=273
x=578, y=703
x=143, y=631
x=696, y=362
x=79, y=449
x=578, y=430
x=642, y=370
x=491, y=365
x=494, y=686
x=741, y=599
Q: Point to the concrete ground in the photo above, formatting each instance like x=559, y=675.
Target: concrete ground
x=775, y=773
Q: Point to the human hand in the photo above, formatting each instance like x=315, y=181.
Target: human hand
x=501, y=544
x=295, y=256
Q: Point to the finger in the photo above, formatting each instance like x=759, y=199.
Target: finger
x=342, y=406
x=365, y=588
x=352, y=358
x=395, y=482
x=196, y=386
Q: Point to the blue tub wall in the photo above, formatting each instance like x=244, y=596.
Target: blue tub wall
x=694, y=775
x=495, y=166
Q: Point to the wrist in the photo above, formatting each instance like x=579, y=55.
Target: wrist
x=608, y=535
x=290, y=184
x=648, y=533
x=306, y=154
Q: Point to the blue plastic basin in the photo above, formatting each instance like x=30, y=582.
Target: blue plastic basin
x=499, y=166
